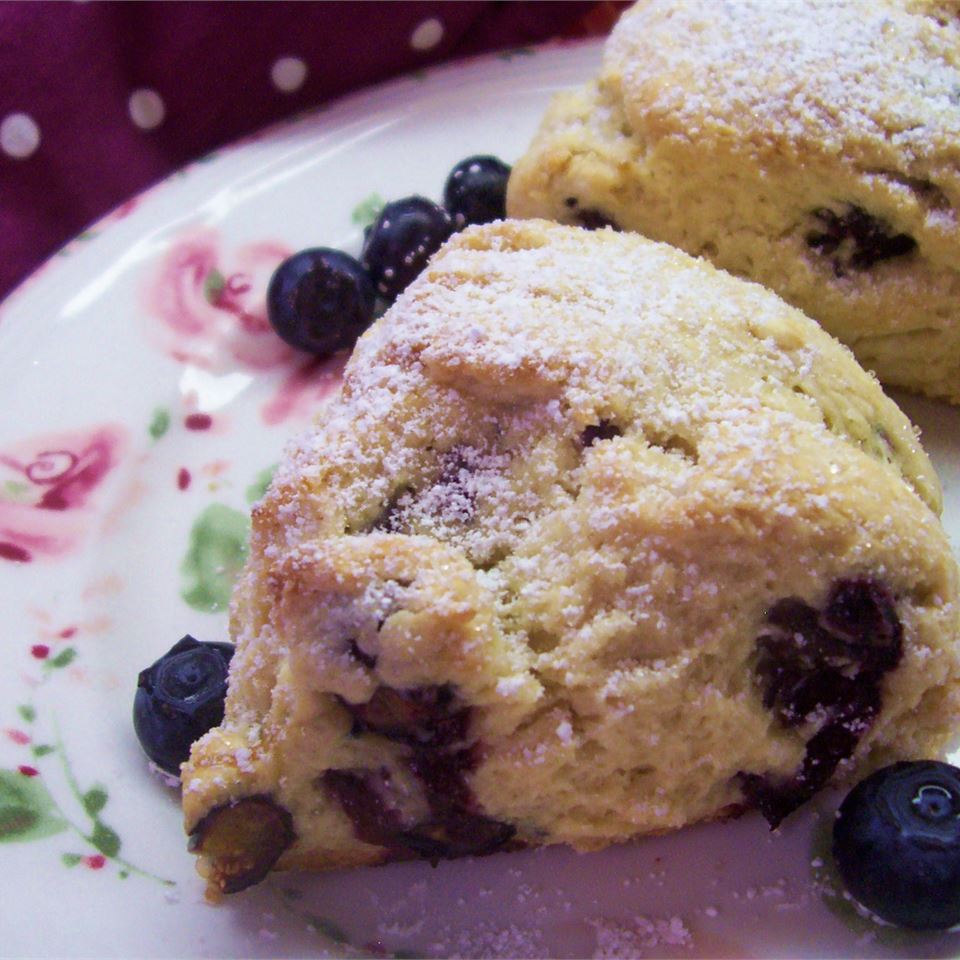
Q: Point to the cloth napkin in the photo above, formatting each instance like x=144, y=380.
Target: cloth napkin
x=99, y=100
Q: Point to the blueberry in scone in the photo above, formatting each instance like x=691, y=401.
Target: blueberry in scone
x=596, y=541
x=813, y=147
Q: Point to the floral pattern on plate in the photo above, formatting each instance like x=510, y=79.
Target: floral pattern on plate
x=48, y=491
x=211, y=303
x=30, y=810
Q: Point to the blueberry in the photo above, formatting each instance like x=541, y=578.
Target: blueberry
x=824, y=668
x=856, y=240
x=320, y=300
x=595, y=432
x=896, y=843
x=403, y=238
x=423, y=715
x=242, y=840
x=179, y=698
x=476, y=191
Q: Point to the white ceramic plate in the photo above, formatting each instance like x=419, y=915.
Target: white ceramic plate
x=143, y=400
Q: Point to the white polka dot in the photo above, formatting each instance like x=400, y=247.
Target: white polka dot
x=19, y=135
x=427, y=35
x=288, y=74
x=146, y=108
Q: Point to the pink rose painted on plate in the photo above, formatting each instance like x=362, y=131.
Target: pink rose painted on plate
x=47, y=487
x=302, y=389
x=212, y=305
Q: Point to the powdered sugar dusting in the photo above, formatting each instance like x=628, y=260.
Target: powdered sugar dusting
x=461, y=414
x=873, y=80
x=565, y=476
x=637, y=938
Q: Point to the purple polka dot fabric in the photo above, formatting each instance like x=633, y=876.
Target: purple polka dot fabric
x=99, y=100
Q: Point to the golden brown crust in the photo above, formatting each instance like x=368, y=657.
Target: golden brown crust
x=509, y=590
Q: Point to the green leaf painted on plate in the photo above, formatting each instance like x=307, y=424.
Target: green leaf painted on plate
x=27, y=811
x=63, y=659
x=367, y=210
x=105, y=839
x=94, y=800
x=213, y=285
x=42, y=749
x=160, y=423
x=70, y=859
x=27, y=713
x=218, y=548
x=16, y=491
x=259, y=486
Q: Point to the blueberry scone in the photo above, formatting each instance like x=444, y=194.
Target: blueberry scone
x=596, y=541
x=811, y=146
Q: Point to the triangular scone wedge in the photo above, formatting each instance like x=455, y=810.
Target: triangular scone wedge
x=596, y=541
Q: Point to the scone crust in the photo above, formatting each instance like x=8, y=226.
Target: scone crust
x=737, y=130
x=567, y=477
